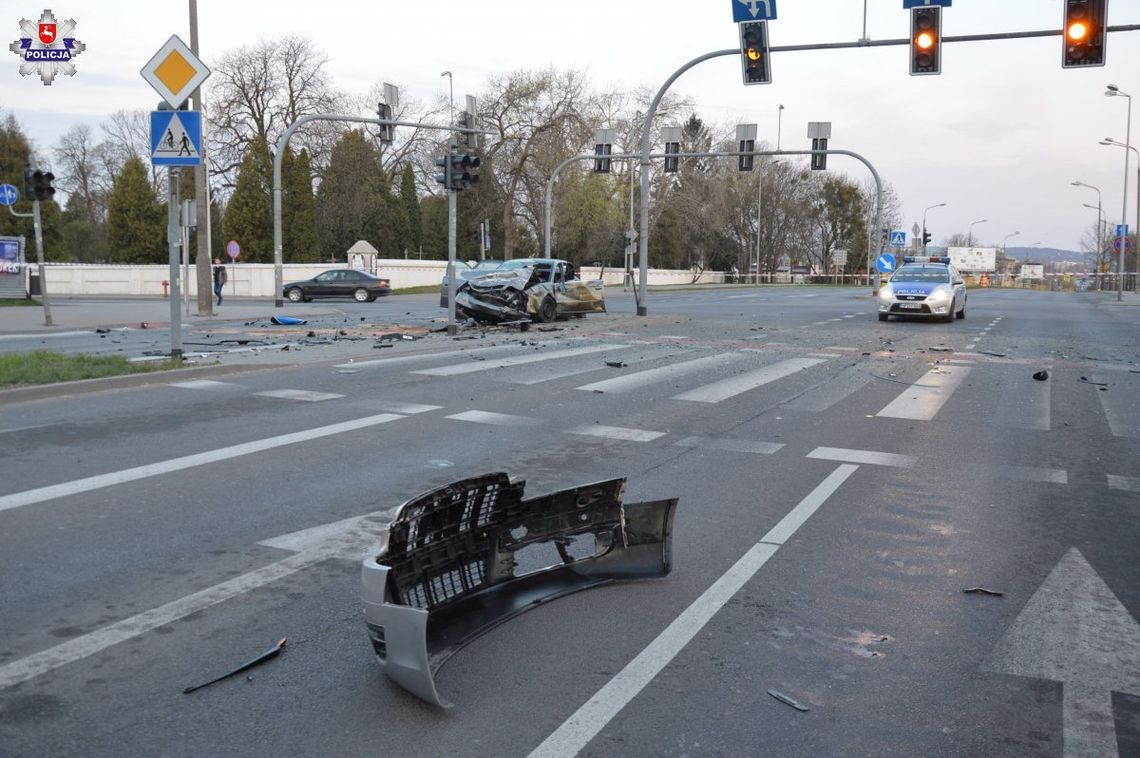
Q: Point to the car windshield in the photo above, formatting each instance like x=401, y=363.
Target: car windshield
x=936, y=274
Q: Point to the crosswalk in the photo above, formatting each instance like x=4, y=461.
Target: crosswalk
x=667, y=370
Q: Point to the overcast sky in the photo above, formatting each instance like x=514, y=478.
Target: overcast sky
x=1000, y=135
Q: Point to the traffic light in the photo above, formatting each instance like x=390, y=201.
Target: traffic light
x=29, y=187
x=925, y=238
x=671, y=164
x=462, y=167
x=602, y=164
x=470, y=138
x=754, y=53
x=41, y=189
x=747, y=146
x=925, y=41
x=1084, y=33
x=387, y=131
x=884, y=235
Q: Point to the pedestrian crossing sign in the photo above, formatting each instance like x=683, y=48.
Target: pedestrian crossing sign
x=176, y=138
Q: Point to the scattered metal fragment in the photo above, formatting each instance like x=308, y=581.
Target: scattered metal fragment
x=1041, y=375
x=616, y=364
x=1086, y=380
x=102, y=330
x=983, y=591
x=941, y=349
x=379, y=345
x=144, y=325
x=788, y=701
x=273, y=652
x=287, y=321
x=996, y=355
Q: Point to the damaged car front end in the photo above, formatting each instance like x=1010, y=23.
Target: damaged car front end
x=446, y=569
x=539, y=289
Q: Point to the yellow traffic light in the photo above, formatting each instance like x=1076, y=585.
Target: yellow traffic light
x=1078, y=31
x=753, y=54
x=925, y=40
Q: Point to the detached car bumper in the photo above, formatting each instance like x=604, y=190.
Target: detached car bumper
x=446, y=572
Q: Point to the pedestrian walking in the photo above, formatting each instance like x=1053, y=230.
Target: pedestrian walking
x=220, y=278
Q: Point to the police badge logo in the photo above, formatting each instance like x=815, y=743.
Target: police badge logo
x=47, y=47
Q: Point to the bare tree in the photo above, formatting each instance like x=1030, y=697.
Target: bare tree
x=126, y=135
x=259, y=90
x=81, y=171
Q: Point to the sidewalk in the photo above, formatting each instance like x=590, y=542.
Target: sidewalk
x=88, y=313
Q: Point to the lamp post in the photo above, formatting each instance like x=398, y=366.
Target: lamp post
x=1099, y=207
x=924, y=224
x=1135, y=229
x=1005, y=242
x=970, y=235
x=779, y=124
x=1114, y=91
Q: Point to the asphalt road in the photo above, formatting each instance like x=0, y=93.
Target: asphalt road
x=842, y=482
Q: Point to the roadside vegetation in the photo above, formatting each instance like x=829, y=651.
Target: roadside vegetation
x=17, y=302
x=46, y=367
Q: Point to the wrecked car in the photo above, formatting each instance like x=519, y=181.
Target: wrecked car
x=539, y=289
x=445, y=572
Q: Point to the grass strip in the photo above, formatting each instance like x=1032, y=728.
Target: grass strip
x=47, y=367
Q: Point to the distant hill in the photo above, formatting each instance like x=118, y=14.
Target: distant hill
x=1045, y=255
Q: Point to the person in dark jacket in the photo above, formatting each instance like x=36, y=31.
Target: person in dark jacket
x=220, y=278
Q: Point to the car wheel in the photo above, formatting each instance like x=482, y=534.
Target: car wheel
x=883, y=317
x=547, y=310
x=295, y=295
x=360, y=295
x=962, y=313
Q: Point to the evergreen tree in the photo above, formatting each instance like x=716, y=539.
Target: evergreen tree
x=249, y=214
x=298, y=209
x=355, y=201
x=15, y=155
x=433, y=210
x=84, y=240
x=136, y=221
x=411, y=205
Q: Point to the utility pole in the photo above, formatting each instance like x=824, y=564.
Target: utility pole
x=201, y=193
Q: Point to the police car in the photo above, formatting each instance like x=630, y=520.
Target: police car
x=927, y=287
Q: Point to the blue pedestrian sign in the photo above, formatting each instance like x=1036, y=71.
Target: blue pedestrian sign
x=176, y=138
x=1122, y=230
x=885, y=263
x=8, y=194
x=898, y=238
x=753, y=10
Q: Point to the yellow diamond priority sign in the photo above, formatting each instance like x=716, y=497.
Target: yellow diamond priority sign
x=175, y=72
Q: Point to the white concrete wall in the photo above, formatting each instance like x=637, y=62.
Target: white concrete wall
x=256, y=279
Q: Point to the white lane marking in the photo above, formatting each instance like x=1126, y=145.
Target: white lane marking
x=553, y=373
x=41, y=336
x=1037, y=474
x=29, y=497
x=850, y=315
x=823, y=355
x=971, y=346
x=206, y=384
x=835, y=319
x=349, y=538
x=639, y=379
x=471, y=367
x=1120, y=408
x=732, y=446
x=395, y=406
x=736, y=385
x=739, y=297
x=617, y=433
x=673, y=337
x=1126, y=483
x=307, y=396
x=926, y=397
x=397, y=360
x=585, y=723
x=495, y=419
x=846, y=455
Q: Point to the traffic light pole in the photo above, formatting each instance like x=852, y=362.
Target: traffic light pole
x=452, y=327
x=646, y=157
x=39, y=230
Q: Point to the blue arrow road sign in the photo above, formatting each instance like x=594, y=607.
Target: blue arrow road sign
x=1122, y=230
x=753, y=10
x=175, y=138
x=898, y=238
x=885, y=263
x=8, y=194
x=925, y=3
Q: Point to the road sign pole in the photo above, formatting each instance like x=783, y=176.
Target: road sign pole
x=173, y=234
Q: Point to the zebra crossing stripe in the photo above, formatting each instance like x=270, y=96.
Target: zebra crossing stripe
x=922, y=400
x=640, y=379
x=726, y=388
x=470, y=367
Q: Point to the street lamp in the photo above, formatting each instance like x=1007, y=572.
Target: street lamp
x=779, y=124
x=924, y=225
x=1114, y=91
x=970, y=236
x=1135, y=229
x=1099, y=239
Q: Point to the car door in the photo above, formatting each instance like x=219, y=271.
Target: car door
x=350, y=282
x=323, y=284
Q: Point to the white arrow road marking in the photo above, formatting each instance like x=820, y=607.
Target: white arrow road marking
x=1075, y=631
x=585, y=723
x=350, y=538
x=29, y=497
